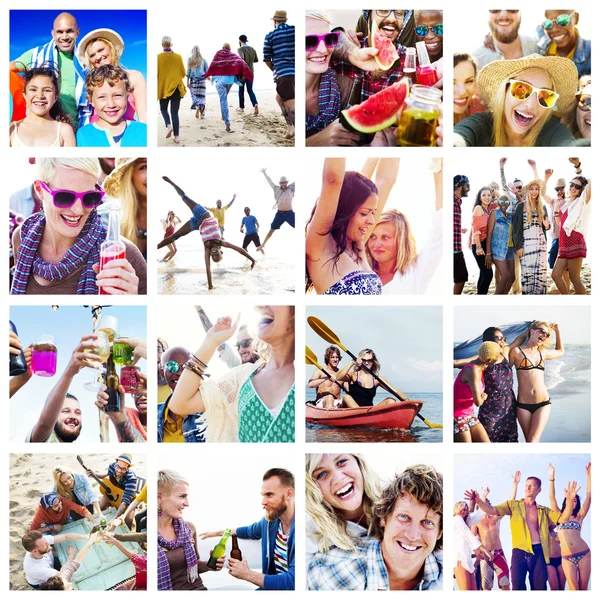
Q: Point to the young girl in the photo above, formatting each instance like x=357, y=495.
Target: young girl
x=499, y=248
x=169, y=227
x=46, y=124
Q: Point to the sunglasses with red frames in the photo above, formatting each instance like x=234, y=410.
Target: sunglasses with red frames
x=66, y=198
x=330, y=40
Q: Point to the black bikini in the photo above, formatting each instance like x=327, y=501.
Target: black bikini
x=527, y=365
x=362, y=396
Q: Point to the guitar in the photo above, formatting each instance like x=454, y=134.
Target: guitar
x=110, y=488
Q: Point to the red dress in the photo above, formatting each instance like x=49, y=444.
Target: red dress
x=570, y=246
x=169, y=231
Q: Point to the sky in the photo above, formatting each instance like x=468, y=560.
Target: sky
x=406, y=339
x=31, y=28
x=68, y=324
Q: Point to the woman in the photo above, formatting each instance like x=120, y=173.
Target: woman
x=327, y=93
x=253, y=402
x=128, y=182
x=556, y=574
x=362, y=390
x=579, y=117
x=170, y=86
x=77, y=488
x=466, y=97
x=520, y=95
x=196, y=68
x=57, y=250
x=105, y=47
x=500, y=246
x=530, y=223
x=479, y=238
x=169, y=227
x=179, y=564
x=574, y=214
x=469, y=392
x=576, y=557
x=392, y=249
x=344, y=216
x=529, y=360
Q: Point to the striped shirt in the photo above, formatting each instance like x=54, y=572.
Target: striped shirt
x=279, y=48
x=209, y=230
x=280, y=553
x=129, y=481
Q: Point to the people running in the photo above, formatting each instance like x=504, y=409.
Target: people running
x=284, y=199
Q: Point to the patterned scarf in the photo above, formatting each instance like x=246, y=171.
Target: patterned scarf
x=226, y=62
x=184, y=538
x=329, y=103
x=85, y=251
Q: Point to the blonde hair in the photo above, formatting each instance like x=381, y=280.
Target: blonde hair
x=537, y=325
x=168, y=479
x=129, y=204
x=61, y=488
x=46, y=167
x=458, y=507
x=114, y=60
x=318, y=15
x=329, y=522
x=406, y=245
x=539, y=206
x=376, y=365
x=195, y=59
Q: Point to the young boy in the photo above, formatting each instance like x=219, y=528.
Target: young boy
x=108, y=88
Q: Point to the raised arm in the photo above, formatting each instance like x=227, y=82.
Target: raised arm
x=570, y=493
x=583, y=511
x=459, y=363
x=559, y=349
x=552, y=488
x=488, y=509
x=516, y=479
x=269, y=180
x=348, y=51
x=369, y=167
x=437, y=182
x=232, y=200
x=385, y=178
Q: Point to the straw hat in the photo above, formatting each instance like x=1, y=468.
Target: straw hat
x=280, y=15
x=489, y=351
x=108, y=34
x=537, y=182
x=561, y=182
x=112, y=184
x=283, y=179
x=562, y=71
x=126, y=458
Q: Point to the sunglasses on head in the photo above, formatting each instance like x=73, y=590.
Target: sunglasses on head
x=512, y=12
x=585, y=104
x=521, y=90
x=244, y=344
x=66, y=198
x=173, y=366
x=562, y=21
x=577, y=186
x=330, y=40
x=423, y=30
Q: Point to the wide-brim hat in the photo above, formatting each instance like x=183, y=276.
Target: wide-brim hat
x=283, y=179
x=112, y=184
x=539, y=183
x=560, y=183
x=108, y=34
x=562, y=71
x=280, y=15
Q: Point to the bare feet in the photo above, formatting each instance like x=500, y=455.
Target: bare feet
x=260, y=249
x=240, y=110
x=169, y=131
x=256, y=109
x=198, y=113
x=252, y=265
x=176, y=139
x=290, y=133
x=228, y=129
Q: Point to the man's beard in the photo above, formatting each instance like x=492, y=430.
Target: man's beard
x=251, y=359
x=66, y=436
x=509, y=36
x=275, y=513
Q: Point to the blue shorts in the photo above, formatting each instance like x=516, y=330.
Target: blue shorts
x=510, y=255
x=282, y=217
x=197, y=214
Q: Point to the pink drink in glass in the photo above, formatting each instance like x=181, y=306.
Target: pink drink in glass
x=113, y=252
x=129, y=379
x=44, y=356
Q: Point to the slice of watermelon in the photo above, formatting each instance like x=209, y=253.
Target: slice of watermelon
x=387, y=55
x=380, y=110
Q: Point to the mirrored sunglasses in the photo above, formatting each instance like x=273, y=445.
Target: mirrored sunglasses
x=521, y=90
x=562, y=21
x=423, y=30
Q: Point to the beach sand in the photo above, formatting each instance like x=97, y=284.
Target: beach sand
x=268, y=128
x=30, y=478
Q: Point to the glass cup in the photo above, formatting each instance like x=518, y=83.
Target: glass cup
x=110, y=326
x=122, y=352
x=129, y=378
x=43, y=356
x=102, y=352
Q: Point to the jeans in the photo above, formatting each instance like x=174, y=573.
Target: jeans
x=174, y=99
x=524, y=563
x=223, y=90
x=485, y=275
x=553, y=254
x=248, y=85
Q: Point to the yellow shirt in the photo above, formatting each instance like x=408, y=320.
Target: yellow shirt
x=219, y=214
x=173, y=428
x=143, y=495
x=170, y=74
x=552, y=48
x=521, y=538
x=164, y=391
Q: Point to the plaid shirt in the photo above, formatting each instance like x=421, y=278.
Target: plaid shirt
x=370, y=86
x=364, y=569
x=457, y=224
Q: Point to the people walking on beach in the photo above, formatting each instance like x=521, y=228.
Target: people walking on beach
x=328, y=390
x=248, y=53
x=171, y=88
x=284, y=202
x=169, y=227
x=219, y=212
x=209, y=231
x=196, y=68
x=279, y=56
x=251, y=226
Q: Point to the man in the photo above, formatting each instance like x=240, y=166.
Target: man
x=248, y=53
x=284, y=199
x=53, y=513
x=219, y=212
x=172, y=428
x=328, y=390
x=245, y=346
x=505, y=43
x=61, y=52
x=40, y=563
x=555, y=207
x=429, y=27
x=558, y=36
x=120, y=471
x=461, y=275
x=529, y=526
x=251, y=235
x=276, y=530
x=404, y=551
x=279, y=56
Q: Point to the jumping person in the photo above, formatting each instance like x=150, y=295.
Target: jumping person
x=284, y=198
x=219, y=212
x=251, y=226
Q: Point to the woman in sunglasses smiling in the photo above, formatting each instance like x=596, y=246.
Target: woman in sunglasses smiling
x=57, y=250
x=521, y=95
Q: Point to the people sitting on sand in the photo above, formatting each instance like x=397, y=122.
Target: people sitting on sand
x=284, y=201
x=77, y=488
x=328, y=388
x=53, y=512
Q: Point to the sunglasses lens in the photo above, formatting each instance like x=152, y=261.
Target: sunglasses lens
x=563, y=20
x=312, y=41
x=421, y=30
x=547, y=24
x=547, y=98
x=92, y=199
x=64, y=199
x=331, y=39
x=520, y=90
x=172, y=366
x=438, y=29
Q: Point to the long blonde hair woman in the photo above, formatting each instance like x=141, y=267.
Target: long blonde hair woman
x=76, y=487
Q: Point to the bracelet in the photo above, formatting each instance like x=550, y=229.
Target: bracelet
x=578, y=166
x=552, y=480
x=192, y=367
x=196, y=359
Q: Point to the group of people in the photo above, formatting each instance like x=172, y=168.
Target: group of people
x=363, y=534
x=73, y=498
x=547, y=547
x=253, y=402
x=226, y=69
x=179, y=563
x=486, y=381
x=355, y=247
x=510, y=228
x=518, y=90
x=79, y=94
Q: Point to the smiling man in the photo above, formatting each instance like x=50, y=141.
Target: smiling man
x=429, y=27
x=405, y=552
x=53, y=513
x=328, y=390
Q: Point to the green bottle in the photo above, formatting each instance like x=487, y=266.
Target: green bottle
x=219, y=550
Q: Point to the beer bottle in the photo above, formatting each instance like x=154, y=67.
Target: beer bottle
x=18, y=364
x=219, y=550
x=235, y=549
x=112, y=386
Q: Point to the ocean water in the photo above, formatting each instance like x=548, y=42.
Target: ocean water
x=419, y=432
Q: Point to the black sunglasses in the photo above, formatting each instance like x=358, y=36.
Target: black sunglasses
x=244, y=344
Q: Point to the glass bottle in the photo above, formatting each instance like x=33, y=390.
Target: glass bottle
x=18, y=364
x=426, y=75
x=419, y=118
x=112, y=248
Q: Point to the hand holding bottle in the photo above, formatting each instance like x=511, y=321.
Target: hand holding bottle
x=117, y=277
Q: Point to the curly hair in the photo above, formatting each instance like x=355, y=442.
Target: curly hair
x=97, y=77
x=329, y=351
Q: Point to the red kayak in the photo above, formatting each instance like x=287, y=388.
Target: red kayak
x=392, y=416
